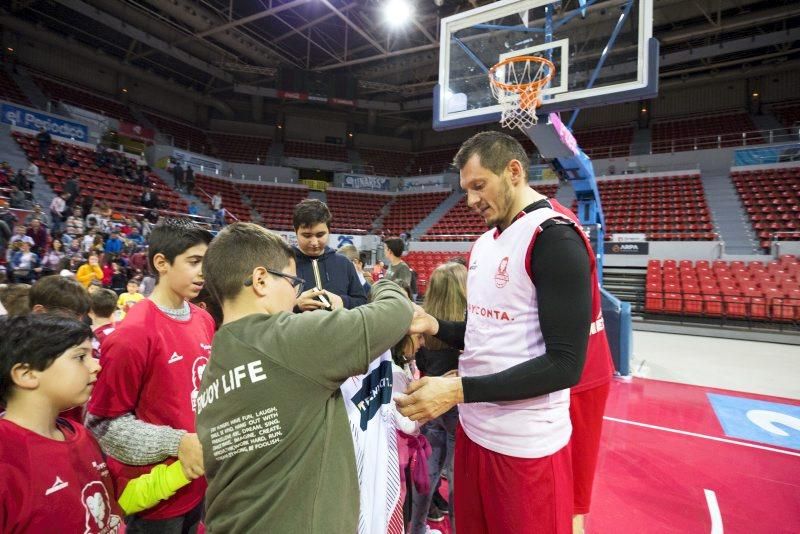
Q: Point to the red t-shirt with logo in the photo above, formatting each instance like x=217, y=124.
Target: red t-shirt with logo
x=55, y=486
x=100, y=335
x=152, y=368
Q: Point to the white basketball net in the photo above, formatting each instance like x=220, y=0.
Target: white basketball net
x=516, y=86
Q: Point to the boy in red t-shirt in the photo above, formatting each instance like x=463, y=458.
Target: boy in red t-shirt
x=54, y=475
x=142, y=409
x=103, y=306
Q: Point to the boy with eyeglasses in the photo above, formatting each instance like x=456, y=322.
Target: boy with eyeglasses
x=270, y=416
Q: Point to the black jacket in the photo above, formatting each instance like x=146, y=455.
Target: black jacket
x=338, y=276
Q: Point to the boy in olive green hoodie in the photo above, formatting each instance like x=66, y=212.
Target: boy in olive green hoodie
x=276, y=442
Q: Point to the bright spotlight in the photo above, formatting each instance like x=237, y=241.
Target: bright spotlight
x=397, y=12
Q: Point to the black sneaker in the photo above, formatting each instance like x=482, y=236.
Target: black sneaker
x=440, y=503
x=435, y=515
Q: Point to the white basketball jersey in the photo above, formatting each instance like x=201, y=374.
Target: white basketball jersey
x=368, y=399
x=502, y=331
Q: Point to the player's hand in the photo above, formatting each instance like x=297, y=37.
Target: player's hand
x=190, y=453
x=335, y=300
x=429, y=397
x=422, y=322
x=307, y=300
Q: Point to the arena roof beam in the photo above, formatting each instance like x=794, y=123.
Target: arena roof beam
x=300, y=29
x=354, y=26
x=250, y=18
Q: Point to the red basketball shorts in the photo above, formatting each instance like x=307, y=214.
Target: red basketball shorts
x=499, y=494
x=586, y=412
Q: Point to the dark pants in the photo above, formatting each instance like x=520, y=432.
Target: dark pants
x=184, y=524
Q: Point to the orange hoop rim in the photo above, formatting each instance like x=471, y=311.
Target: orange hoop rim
x=522, y=87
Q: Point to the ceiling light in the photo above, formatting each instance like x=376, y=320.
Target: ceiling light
x=397, y=12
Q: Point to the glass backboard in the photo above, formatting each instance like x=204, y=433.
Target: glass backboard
x=603, y=51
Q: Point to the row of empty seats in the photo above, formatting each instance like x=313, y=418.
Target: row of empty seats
x=239, y=148
x=386, y=162
x=408, y=210
x=609, y=142
x=353, y=210
x=208, y=186
x=274, y=203
x=771, y=198
x=424, y=264
x=788, y=114
x=10, y=91
x=700, y=132
x=307, y=149
x=184, y=135
x=122, y=196
x=83, y=98
x=755, y=290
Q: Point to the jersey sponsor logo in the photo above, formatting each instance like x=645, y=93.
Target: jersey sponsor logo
x=175, y=358
x=500, y=315
x=376, y=390
x=598, y=325
x=501, y=276
x=473, y=266
x=205, y=346
x=99, y=518
x=58, y=485
x=198, y=368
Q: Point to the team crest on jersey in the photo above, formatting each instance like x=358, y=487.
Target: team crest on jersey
x=198, y=367
x=99, y=519
x=376, y=390
x=501, y=276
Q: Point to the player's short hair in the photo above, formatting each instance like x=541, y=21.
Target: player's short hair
x=236, y=251
x=35, y=340
x=310, y=212
x=495, y=150
x=16, y=299
x=172, y=237
x=396, y=245
x=60, y=295
x=103, y=302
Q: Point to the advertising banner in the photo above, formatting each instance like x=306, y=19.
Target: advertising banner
x=34, y=120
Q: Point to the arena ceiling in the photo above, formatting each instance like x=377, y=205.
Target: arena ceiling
x=213, y=45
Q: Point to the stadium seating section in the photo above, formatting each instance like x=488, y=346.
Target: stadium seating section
x=424, y=264
x=386, y=162
x=122, y=196
x=184, y=135
x=83, y=98
x=788, y=114
x=239, y=148
x=9, y=90
x=461, y=223
x=408, y=210
x=353, y=210
x=608, y=142
x=772, y=200
x=756, y=291
x=666, y=208
x=274, y=203
x=323, y=151
x=208, y=186
x=712, y=131
x=433, y=161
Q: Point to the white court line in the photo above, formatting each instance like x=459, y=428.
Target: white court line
x=703, y=436
x=713, y=510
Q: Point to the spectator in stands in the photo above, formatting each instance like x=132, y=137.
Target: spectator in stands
x=44, y=140
x=113, y=244
x=352, y=254
x=338, y=277
x=398, y=269
x=90, y=271
x=53, y=259
x=25, y=264
x=378, y=270
x=216, y=202
x=17, y=198
x=192, y=209
x=20, y=236
x=36, y=213
x=219, y=219
x=57, y=208
x=189, y=177
x=60, y=156
x=72, y=187
x=74, y=224
x=177, y=174
x=87, y=203
x=5, y=233
x=149, y=199
x=119, y=280
x=14, y=298
x=38, y=233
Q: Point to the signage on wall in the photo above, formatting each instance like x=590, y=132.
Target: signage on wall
x=134, y=130
x=422, y=183
x=199, y=163
x=360, y=181
x=34, y=120
x=641, y=249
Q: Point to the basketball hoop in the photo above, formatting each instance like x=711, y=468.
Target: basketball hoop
x=517, y=83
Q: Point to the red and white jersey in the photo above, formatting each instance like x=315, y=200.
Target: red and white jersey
x=598, y=367
x=502, y=331
x=55, y=486
x=370, y=409
x=100, y=335
x=152, y=367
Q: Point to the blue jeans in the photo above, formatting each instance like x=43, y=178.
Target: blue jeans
x=441, y=434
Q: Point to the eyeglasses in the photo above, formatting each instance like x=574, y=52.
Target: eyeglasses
x=297, y=283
